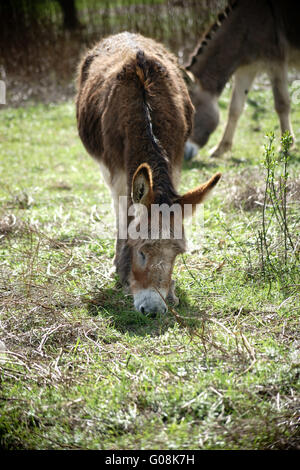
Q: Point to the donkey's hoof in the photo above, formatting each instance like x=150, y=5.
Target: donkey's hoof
x=219, y=150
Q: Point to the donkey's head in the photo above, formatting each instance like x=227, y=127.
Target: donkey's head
x=206, y=113
x=160, y=238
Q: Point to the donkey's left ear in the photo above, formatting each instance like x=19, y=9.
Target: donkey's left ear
x=187, y=76
x=199, y=194
x=142, y=185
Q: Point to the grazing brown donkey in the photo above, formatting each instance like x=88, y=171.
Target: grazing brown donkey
x=248, y=37
x=134, y=115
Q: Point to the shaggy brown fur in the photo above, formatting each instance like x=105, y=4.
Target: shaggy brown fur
x=134, y=115
x=115, y=82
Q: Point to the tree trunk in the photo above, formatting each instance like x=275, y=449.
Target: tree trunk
x=71, y=21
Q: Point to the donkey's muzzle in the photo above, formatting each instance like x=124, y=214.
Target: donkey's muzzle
x=149, y=301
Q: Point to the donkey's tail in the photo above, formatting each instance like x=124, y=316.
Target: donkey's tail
x=147, y=69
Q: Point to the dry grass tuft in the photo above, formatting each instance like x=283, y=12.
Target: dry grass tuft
x=246, y=190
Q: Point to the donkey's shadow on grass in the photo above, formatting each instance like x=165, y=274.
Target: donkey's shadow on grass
x=113, y=304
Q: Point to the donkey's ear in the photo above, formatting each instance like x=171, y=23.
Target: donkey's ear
x=142, y=185
x=199, y=194
x=188, y=76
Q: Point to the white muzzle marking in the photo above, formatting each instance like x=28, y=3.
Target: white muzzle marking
x=149, y=301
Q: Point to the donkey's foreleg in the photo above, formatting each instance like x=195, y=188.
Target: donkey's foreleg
x=243, y=80
x=279, y=79
x=120, y=203
x=117, y=183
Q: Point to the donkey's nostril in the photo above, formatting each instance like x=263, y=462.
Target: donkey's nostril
x=149, y=303
x=152, y=310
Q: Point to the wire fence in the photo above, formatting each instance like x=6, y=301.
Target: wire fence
x=41, y=41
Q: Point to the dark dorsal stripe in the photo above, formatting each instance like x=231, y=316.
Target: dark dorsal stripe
x=210, y=33
x=159, y=162
x=148, y=71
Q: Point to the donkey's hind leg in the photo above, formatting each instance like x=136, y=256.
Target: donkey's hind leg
x=279, y=78
x=243, y=80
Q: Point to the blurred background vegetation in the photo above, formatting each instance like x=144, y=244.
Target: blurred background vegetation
x=41, y=41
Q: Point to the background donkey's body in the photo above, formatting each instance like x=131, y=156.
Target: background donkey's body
x=249, y=36
x=134, y=115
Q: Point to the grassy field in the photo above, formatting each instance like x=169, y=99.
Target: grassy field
x=82, y=369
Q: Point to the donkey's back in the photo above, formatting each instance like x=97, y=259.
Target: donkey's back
x=113, y=79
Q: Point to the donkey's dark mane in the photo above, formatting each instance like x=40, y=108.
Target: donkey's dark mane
x=157, y=157
x=149, y=129
x=222, y=16
x=159, y=163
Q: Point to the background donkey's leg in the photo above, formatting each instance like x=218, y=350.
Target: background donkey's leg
x=243, y=80
x=279, y=78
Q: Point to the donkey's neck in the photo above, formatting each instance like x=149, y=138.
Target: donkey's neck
x=217, y=57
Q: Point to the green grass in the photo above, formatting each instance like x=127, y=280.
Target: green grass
x=82, y=368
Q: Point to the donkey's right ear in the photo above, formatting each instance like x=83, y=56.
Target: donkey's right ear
x=142, y=186
x=199, y=194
